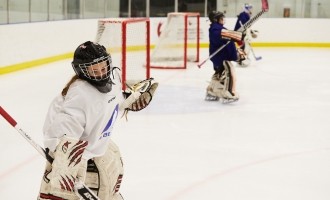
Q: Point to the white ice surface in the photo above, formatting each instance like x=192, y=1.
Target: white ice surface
x=273, y=144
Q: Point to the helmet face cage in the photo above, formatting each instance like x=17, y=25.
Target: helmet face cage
x=97, y=73
x=247, y=7
x=215, y=16
x=93, y=63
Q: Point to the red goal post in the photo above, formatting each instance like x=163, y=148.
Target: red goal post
x=178, y=43
x=128, y=42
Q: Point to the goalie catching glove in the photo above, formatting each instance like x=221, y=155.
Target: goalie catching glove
x=139, y=95
x=254, y=33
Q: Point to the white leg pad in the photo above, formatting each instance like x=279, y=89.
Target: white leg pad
x=229, y=77
x=215, y=87
x=106, y=180
x=45, y=183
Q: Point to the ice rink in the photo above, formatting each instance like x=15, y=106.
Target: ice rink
x=273, y=144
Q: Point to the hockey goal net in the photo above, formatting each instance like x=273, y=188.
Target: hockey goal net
x=128, y=42
x=178, y=42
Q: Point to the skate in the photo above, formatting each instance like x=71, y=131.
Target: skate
x=228, y=100
x=209, y=97
x=229, y=97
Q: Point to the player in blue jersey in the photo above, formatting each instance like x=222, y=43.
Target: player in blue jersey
x=242, y=18
x=222, y=85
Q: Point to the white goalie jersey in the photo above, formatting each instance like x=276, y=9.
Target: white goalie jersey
x=67, y=116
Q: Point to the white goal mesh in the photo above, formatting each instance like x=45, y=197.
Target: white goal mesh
x=128, y=42
x=178, y=42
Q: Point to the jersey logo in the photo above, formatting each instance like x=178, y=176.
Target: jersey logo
x=108, y=128
x=111, y=99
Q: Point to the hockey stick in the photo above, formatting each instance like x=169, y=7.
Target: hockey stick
x=243, y=28
x=254, y=55
x=212, y=55
x=80, y=187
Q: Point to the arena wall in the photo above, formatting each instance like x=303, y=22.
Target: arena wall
x=32, y=44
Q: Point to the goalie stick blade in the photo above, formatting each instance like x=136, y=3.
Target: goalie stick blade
x=258, y=58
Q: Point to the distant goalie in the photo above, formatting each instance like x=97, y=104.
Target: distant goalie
x=245, y=45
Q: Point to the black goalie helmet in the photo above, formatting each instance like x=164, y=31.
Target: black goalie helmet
x=215, y=16
x=92, y=63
